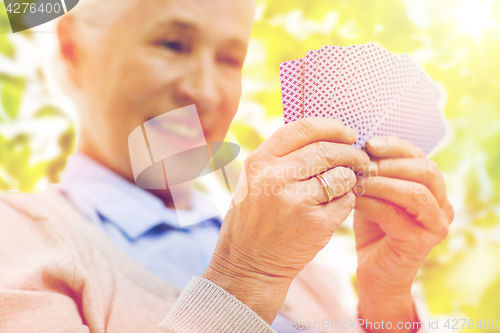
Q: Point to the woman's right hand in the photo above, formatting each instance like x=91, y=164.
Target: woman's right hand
x=280, y=226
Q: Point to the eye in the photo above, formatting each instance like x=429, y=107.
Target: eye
x=176, y=45
x=232, y=61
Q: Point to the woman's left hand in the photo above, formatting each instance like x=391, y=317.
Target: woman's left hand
x=402, y=215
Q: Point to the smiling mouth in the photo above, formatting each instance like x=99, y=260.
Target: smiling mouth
x=179, y=129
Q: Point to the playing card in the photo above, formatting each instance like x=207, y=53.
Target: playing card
x=360, y=109
x=415, y=118
x=402, y=73
x=311, y=108
x=292, y=89
x=328, y=68
x=433, y=91
x=350, y=63
x=414, y=113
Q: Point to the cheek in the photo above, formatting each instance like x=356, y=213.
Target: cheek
x=147, y=78
x=232, y=94
x=231, y=98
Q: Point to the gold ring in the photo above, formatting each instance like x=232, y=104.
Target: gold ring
x=327, y=187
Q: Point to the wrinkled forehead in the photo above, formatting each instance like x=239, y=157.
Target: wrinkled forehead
x=212, y=18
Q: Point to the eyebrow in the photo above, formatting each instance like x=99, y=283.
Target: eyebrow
x=181, y=25
x=236, y=44
x=177, y=25
x=184, y=26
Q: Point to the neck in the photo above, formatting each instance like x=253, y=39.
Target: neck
x=182, y=202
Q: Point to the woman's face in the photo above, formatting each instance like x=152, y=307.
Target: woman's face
x=159, y=56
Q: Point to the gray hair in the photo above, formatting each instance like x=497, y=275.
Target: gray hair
x=92, y=18
x=98, y=14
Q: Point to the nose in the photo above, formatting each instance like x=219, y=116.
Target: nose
x=198, y=84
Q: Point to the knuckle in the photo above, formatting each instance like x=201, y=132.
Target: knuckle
x=350, y=175
x=252, y=157
x=350, y=200
x=322, y=148
x=305, y=127
x=450, y=212
x=443, y=229
x=343, y=180
x=419, y=196
x=253, y=162
x=249, y=161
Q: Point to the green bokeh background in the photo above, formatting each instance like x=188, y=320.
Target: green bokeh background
x=462, y=276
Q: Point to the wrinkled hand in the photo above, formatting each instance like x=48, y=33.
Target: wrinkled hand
x=402, y=215
x=283, y=222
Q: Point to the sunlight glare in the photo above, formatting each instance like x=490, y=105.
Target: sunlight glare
x=474, y=17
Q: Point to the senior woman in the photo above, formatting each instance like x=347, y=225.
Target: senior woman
x=129, y=61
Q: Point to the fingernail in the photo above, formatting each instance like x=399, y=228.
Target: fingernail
x=352, y=134
x=366, y=158
x=378, y=143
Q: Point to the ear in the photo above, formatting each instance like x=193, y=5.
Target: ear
x=68, y=47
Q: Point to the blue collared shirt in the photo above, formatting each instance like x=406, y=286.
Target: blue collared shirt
x=142, y=226
x=139, y=223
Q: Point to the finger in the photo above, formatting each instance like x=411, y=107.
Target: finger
x=395, y=221
x=338, y=209
x=413, y=197
x=300, y=133
x=392, y=147
x=340, y=181
x=419, y=170
x=391, y=219
x=320, y=156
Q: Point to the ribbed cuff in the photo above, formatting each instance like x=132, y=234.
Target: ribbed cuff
x=205, y=307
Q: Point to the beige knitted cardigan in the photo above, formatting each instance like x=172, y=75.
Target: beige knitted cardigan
x=59, y=273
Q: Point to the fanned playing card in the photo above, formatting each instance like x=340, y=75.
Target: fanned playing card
x=414, y=115
x=328, y=69
x=292, y=89
x=352, y=56
x=310, y=104
x=360, y=109
x=401, y=74
x=366, y=88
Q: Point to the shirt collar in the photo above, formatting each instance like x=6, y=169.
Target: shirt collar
x=133, y=209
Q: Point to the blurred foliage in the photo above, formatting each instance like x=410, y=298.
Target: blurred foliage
x=462, y=276
x=17, y=169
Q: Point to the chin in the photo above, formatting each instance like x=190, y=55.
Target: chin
x=214, y=135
